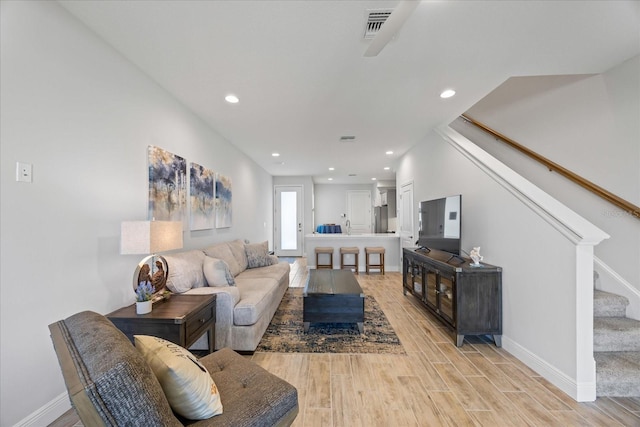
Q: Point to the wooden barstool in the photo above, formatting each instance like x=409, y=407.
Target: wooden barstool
x=324, y=250
x=351, y=250
x=378, y=250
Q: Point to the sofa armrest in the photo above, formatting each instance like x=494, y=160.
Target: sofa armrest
x=227, y=298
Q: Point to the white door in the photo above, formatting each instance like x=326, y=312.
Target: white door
x=407, y=235
x=288, y=220
x=359, y=211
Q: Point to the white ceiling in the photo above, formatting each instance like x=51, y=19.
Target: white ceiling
x=299, y=71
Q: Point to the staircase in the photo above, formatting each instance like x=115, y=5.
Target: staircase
x=616, y=346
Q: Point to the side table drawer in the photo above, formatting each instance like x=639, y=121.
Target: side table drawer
x=199, y=320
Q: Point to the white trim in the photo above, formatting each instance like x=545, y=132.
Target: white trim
x=585, y=373
x=618, y=285
x=48, y=413
x=581, y=392
x=583, y=234
x=570, y=224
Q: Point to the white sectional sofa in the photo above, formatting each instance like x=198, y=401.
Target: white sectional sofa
x=249, y=284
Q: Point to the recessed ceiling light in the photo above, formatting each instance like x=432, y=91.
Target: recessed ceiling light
x=389, y=152
x=332, y=169
x=373, y=179
x=447, y=93
x=329, y=179
x=275, y=154
x=387, y=168
x=231, y=99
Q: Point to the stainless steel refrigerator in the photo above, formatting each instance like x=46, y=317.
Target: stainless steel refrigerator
x=381, y=219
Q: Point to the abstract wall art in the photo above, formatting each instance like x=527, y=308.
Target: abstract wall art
x=167, y=185
x=202, y=184
x=223, y=201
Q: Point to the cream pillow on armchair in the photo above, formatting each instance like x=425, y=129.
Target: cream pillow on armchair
x=187, y=384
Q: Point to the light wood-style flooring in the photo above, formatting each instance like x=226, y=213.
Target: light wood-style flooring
x=434, y=384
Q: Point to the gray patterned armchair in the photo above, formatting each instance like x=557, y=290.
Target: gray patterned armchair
x=110, y=383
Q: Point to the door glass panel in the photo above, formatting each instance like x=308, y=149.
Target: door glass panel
x=288, y=220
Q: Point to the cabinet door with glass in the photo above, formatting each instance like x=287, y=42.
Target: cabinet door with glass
x=414, y=277
x=431, y=285
x=446, y=296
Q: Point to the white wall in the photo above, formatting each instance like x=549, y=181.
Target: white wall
x=331, y=202
x=588, y=124
x=84, y=116
x=537, y=261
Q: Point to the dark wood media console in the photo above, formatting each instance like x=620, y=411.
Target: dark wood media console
x=465, y=298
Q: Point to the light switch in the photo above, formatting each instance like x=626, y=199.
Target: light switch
x=24, y=172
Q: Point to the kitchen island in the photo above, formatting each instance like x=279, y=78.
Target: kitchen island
x=389, y=241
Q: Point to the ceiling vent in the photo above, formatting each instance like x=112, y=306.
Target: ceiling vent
x=375, y=19
x=347, y=138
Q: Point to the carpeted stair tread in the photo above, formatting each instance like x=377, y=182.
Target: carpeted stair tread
x=617, y=373
x=616, y=334
x=606, y=304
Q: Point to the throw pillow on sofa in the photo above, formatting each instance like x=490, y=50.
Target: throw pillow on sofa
x=258, y=255
x=185, y=271
x=187, y=384
x=217, y=272
x=237, y=249
x=223, y=251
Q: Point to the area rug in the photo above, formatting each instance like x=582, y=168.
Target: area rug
x=285, y=333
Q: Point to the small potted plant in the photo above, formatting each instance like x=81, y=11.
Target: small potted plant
x=144, y=293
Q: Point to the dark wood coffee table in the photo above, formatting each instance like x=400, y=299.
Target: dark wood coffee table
x=332, y=296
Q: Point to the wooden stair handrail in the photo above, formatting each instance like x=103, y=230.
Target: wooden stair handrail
x=629, y=207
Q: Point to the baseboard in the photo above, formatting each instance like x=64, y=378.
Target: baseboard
x=48, y=413
x=583, y=392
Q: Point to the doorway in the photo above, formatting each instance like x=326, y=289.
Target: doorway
x=359, y=211
x=287, y=222
x=407, y=235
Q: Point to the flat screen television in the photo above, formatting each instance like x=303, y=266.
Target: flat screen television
x=441, y=224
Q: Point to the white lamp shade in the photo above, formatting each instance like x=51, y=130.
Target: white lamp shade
x=150, y=237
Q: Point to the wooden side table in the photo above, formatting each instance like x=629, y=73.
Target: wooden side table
x=181, y=319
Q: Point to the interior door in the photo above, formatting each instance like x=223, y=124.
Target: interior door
x=359, y=211
x=287, y=222
x=407, y=235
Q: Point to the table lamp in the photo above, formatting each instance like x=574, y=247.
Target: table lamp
x=149, y=238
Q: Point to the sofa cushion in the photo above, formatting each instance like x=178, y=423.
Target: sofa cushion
x=186, y=382
x=258, y=255
x=255, y=296
x=217, y=272
x=237, y=249
x=275, y=271
x=252, y=396
x=185, y=271
x=223, y=251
